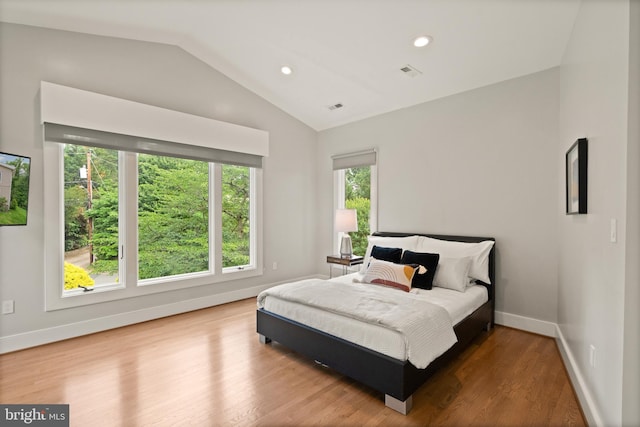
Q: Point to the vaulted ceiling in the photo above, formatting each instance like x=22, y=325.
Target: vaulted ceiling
x=347, y=52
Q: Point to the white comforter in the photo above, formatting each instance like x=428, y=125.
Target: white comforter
x=426, y=328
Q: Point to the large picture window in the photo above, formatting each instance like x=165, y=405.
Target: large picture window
x=138, y=223
x=135, y=198
x=355, y=178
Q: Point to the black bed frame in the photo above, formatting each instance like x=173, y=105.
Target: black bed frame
x=397, y=379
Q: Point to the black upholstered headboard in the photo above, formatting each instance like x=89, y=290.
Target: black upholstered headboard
x=466, y=239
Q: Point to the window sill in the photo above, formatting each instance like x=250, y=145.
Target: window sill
x=95, y=290
x=79, y=298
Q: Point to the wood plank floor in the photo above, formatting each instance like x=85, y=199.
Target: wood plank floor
x=207, y=368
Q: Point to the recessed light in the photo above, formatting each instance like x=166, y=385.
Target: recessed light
x=422, y=41
x=286, y=70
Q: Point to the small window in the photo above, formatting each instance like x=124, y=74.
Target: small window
x=236, y=217
x=357, y=195
x=355, y=177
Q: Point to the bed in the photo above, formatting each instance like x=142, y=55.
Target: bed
x=384, y=370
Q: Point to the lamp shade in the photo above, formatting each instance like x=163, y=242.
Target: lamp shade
x=346, y=220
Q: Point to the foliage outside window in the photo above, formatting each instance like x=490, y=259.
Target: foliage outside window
x=236, y=216
x=357, y=190
x=75, y=277
x=91, y=198
x=174, y=218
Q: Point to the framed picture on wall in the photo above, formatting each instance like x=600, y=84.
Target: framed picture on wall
x=576, y=175
x=14, y=189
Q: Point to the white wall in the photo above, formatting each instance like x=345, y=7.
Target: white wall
x=159, y=75
x=631, y=355
x=594, y=103
x=478, y=163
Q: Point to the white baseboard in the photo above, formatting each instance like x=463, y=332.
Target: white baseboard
x=58, y=333
x=550, y=329
x=528, y=324
x=587, y=403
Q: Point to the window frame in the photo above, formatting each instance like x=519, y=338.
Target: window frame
x=253, y=218
x=129, y=286
x=339, y=187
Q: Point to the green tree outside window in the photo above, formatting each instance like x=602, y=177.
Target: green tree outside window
x=358, y=197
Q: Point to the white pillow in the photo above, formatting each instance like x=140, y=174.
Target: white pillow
x=386, y=273
x=405, y=243
x=452, y=273
x=479, y=253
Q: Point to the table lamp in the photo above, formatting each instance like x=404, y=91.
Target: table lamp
x=346, y=221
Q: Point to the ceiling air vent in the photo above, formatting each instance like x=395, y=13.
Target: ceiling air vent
x=335, y=106
x=410, y=71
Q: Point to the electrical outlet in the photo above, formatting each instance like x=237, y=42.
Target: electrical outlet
x=8, y=306
x=275, y=265
x=592, y=356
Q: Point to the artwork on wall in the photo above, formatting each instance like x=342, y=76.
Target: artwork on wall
x=576, y=175
x=14, y=189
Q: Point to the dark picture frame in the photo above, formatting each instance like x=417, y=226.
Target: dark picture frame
x=576, y=164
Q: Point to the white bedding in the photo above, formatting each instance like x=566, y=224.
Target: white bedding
x=374, y=336
x=458, y=304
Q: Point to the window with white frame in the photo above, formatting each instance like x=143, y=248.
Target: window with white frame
x=134, y=207
x=355, y=187
x=133, y=220
x=165, y=209
x=237, y=218
x=163, y=202
x=90, y=189
x=173, y=217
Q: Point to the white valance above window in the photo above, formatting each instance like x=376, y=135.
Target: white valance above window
x=81, y=117
x=355, y=160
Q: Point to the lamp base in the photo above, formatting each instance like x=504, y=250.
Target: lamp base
x=346, y=250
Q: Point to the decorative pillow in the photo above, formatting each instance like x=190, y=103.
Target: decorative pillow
x=452, y=273
x=479, y=253
x=386, y=273
x=386, y=254
x=428, y=261
x=404, y=243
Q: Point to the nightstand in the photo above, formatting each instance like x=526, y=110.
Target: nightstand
x=345, y=262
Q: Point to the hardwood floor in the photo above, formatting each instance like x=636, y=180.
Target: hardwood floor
x=207, y=368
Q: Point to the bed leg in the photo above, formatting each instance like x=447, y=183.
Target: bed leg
x=488, y=327
x=399, y=405
x=263, y=339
